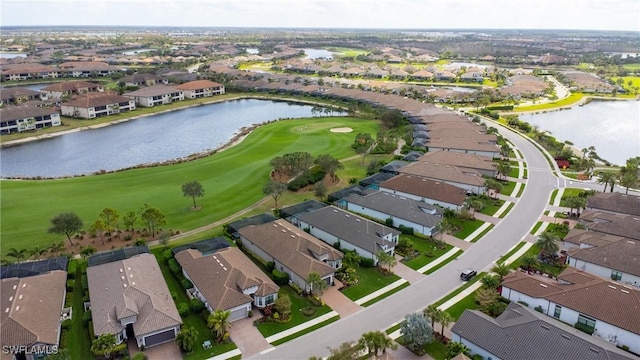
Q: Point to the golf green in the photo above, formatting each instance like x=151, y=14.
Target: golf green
x=232, y=180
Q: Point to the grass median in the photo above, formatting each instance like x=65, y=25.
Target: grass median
x=232, y=180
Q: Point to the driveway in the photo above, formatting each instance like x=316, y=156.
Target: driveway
x=338, y=302
x=406, y=272
x=247, y=337
x=166, y=351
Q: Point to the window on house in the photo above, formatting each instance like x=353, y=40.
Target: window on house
x=616, y=275
x=556, y=312
x=589, y=322
x=270, y=299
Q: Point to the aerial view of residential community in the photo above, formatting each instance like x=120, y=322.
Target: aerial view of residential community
x=337, y=180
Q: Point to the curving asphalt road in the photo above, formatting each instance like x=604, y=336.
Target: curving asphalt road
x=481, y=256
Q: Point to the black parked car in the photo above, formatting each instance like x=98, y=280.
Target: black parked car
x=467, y=274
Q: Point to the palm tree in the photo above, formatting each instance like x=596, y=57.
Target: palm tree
x=37, y=252
x=104, y=345
x=445, y=319
x=376, y=341
x=443, y=227
x=187, y=338
x=490, y=281
x=218, y=322
x=548, y=243
x=317, y=284
x=606, y=178
x=351, y=259
x=57, y=248
x=503, y=169
x=628, y=179
x=501, y=269
x=432, y=312
x=387, y=259
x=18, y=254
x=530, y=262
x=454, y=348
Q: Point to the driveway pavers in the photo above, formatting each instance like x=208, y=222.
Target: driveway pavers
x=337, y=301
x=247, y=337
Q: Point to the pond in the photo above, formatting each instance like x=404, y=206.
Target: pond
x=313, y=54
x=612, y=127
x=11, y=55
x=150, y=139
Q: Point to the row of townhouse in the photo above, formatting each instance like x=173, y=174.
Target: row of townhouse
x=34, y=71
x=89, y=100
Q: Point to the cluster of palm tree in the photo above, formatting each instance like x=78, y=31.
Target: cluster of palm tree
x=35, y=253
x=549, y=244
x=373, y=342
x=436, y=315
x=218, y=322
x=388, y=260
x=626, y=177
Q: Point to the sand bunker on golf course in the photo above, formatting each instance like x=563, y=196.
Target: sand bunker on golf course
x=342, y=130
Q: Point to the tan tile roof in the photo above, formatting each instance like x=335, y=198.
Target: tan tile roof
x=463, y=144
x=34, y=305
x=222, y=276
x=99, y=99
x=71, y=85
x=426, y=188
x=292, y=247
x=616, y=304
x=443, y=172
x=471, y=161
x=198, y=84
x=21, y=112
x=126, y=287
x=154, y=90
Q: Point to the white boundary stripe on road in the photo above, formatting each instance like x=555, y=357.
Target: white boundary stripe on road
x=379, y=292
x=298, y=328
x=439, y=260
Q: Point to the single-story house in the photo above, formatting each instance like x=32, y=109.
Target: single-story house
x=70, y=88
x=352, y=232
x=96, y=105
x=141, y=80
x=227, y=280
x=32, y=314
x=614, y=202
x=130, y=296
x=482, y=164
x=465, y=145
x=613, y=316
x=23, y=118
x=292, y=250
x=430, y=191
x=617, y=260
x=521, y=333
x=582, y=238
x=611, y=223
x=465, y=178
x=155, y=95
x=402, y=211
x=200, y=88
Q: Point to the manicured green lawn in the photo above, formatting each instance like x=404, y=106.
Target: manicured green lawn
x=535, y=228
x=507, y=187
x=468, y=302
x=482, y=233
x=425, y=247
x=459, y=290
x=514, y=172
x=386, y=294
x=511, y=252
x=453, y=257
x=569, y=192
x=554, y=193
x=306, y=331
x=371, y=279
x=78, y=338
x=570, y=100
x=468, y=227
x=232, y=180
x=297, y=302
x=509, y=207
x=534, y=251
x=491, y=206
x=436, y=349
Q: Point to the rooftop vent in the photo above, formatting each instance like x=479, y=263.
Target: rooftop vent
x=6, y=310
x=17, y=307
x=357, y=219
x=594, y=350
x=565, y=336
x=612, y=287
x=545, y=327
x=122, y=277
x=124, y=285
x=275, y=225
x=20, y=297
x=543, y=285
x=293, y=236
x=129, y=268
x=624, y=291
x=121, y=270
x=10, y=298
x=133, y=283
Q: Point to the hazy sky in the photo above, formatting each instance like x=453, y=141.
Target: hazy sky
x=414, y=14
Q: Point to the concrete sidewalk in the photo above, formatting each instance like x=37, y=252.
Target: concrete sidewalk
x=478, y=231
x=379, y=292
x=439, y=260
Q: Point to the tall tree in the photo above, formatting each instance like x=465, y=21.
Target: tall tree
x=445, y=320
x=317, y=284
x=153, y=217
x=362, y=144
x=320, y=190
x=607, y=178
x=104, y=345
x=36, y=252
x=193, y=189
x=87, y=251
x=110, y=217
x=501, y=269
x=187, y=337
x=351, y=259
x=503, y=169
x=275, y=189
x=329, y=164
x=454, y=348
x=548, y=243
x=628, y=179
x=129, y=220
x=375, y=342
x=432, y=312
x=283, y=306
x=57, y=248
x=416, y=332
x=66, y=223
x=98, y=227
x=490, y=281
x=218, y=322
